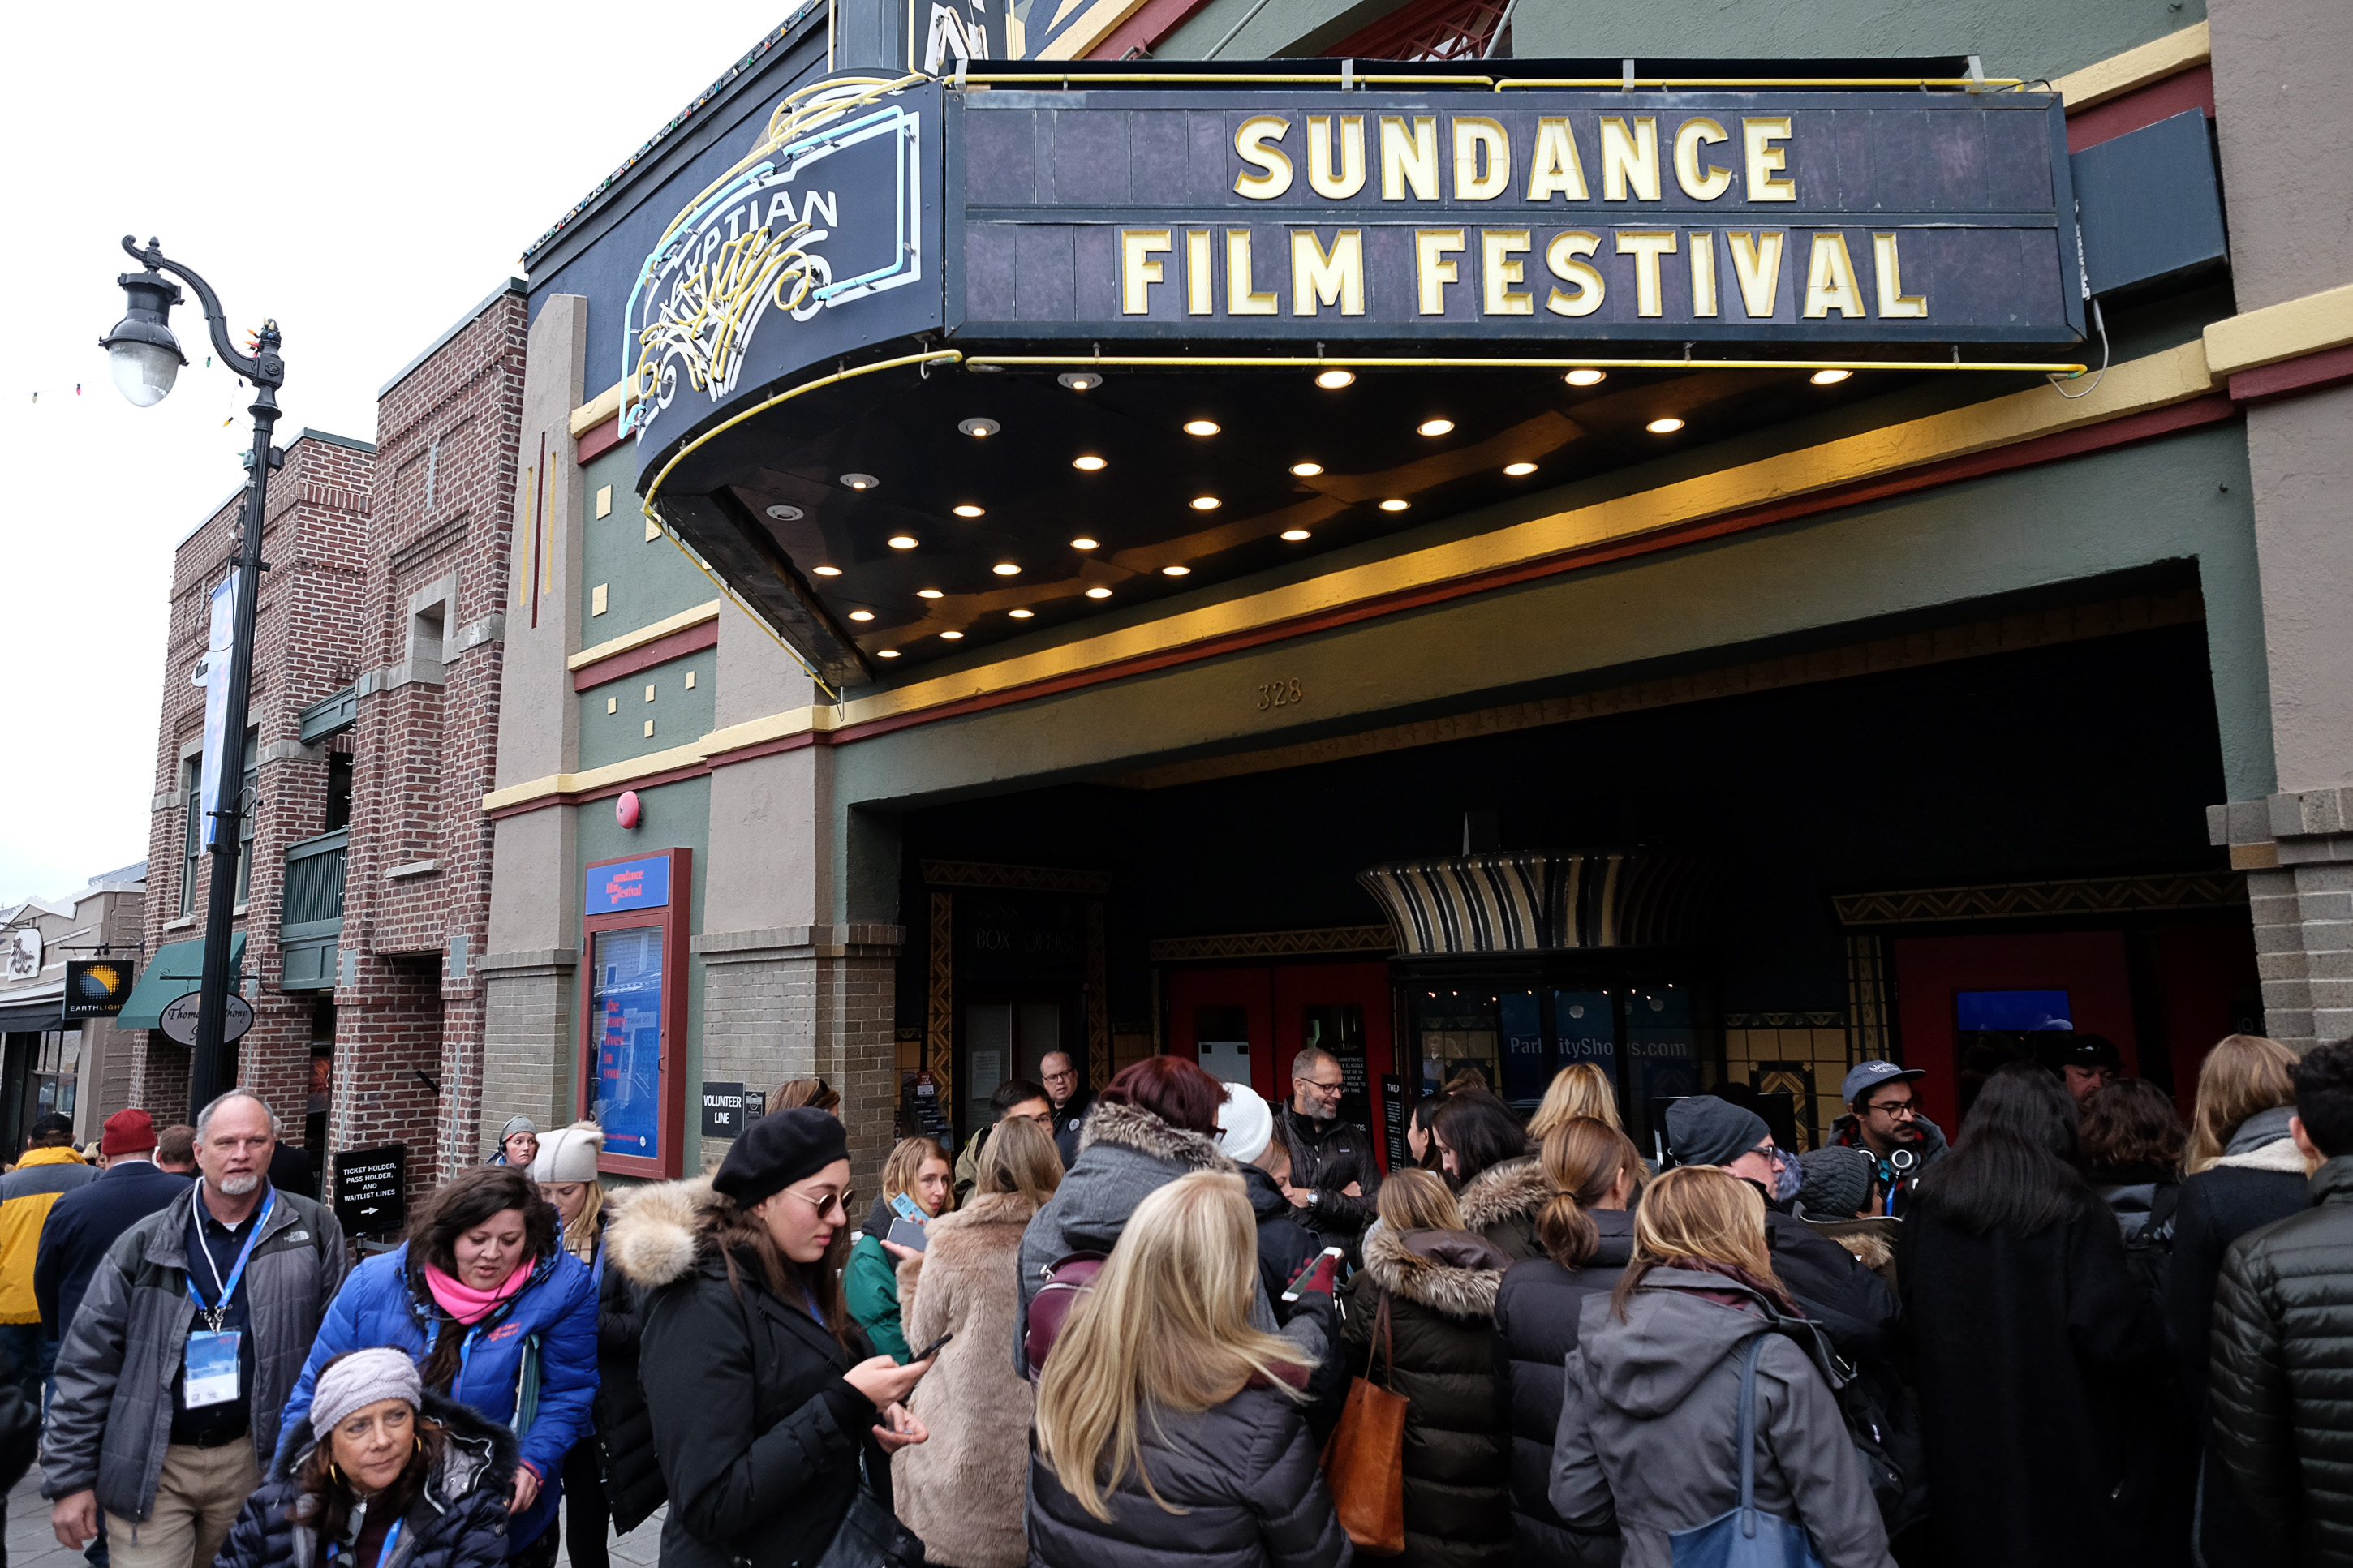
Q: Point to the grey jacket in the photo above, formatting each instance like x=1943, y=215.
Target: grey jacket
x=1649, y=1408
x=112, y=1418
x=1125, y=1154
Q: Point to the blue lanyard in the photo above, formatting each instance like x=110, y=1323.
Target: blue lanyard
x=219, y=1308
x=384, y=1555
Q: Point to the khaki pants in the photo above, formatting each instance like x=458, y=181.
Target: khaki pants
x=197, y=1499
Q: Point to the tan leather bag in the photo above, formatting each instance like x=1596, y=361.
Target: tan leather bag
x=1363, y=1462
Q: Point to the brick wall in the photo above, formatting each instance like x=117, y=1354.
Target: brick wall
x=417, y=901
x=314, y=538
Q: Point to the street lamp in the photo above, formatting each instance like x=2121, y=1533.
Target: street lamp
x=146, y=359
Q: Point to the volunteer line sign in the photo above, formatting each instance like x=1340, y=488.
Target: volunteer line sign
x=1859, y=217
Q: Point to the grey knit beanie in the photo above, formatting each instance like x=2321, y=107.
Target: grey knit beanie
x=356, y=1381
x=1837, y=1182
x=1705, y=1130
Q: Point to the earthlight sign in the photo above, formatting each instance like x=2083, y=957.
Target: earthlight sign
x=1274, y=220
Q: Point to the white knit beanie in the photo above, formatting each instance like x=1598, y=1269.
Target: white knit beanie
x=1245, y=1125
x=358, y=1380
x=569, y=1153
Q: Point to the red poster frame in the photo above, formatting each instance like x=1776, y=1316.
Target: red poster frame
x=672, y=921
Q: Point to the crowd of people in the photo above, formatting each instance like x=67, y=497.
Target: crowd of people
x=1167, y=1324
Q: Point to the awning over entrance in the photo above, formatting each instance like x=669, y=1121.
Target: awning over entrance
x=1542, y=901
x=926, y=370
x=175, y=970
x=28, y=1013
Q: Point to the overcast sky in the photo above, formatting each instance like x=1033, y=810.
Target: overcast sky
x=363, y=175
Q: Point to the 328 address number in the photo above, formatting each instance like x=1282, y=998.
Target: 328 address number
x=1278, y=694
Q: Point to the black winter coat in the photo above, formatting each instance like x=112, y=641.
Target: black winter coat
x=1834, y=1287
x=457, y=1521
x=2218, y=1205
x=1440, y=1287
x=2041, y=1366
x=1327, y=1156
x=1283, y=1244
x=623, y=1430
x=1535, y=1317
x=2283, y=1363
x=1244, y=1473
x=757, y=1433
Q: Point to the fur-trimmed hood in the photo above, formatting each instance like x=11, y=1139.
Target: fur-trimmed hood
x=1514, y=1189
x=1133, y=1127
x=480, y=1452
x=659, y=1232
x=1448, y=1271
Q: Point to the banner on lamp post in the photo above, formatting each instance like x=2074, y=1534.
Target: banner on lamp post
x=216, y=670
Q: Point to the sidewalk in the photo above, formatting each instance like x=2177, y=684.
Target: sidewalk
x=31, y=1545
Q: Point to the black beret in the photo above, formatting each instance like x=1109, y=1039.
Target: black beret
x=781, y=1148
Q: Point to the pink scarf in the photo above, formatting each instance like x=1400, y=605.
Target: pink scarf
x=465, y=1303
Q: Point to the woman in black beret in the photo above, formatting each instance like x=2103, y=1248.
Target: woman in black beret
x=764, y=1395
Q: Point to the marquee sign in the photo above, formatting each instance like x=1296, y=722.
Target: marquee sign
x=1527, y=222
x=1552, y=217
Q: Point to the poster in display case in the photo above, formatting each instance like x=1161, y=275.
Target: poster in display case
x=633, y=1016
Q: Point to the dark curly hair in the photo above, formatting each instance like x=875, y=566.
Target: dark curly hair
x=468, y=1199
x=2131, y=1123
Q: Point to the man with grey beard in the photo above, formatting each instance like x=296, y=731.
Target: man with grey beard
x=164, y=1418
x=1334, y=1174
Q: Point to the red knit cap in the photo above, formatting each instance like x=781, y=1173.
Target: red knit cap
x=128, y=1132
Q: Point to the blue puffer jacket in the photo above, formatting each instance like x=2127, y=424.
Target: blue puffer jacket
x=557, y=1307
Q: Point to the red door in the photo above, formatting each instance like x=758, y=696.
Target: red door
x=1932, y=973
x=1275, y=1010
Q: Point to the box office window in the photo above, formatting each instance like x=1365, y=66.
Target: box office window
x=633, y=1012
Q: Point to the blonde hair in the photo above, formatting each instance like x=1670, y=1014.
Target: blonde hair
x=1583, y=1157
x=580, y=1236
x=2242, y=1075
x=1580, y=1089
x=1699, y=1216
x=1418, y=1200
x=1019, y=1157
x=1166, y=1324
x=906, y=1162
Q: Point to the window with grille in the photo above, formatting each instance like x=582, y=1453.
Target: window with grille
x=1429, y=30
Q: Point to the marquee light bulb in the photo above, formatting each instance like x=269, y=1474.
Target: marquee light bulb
x=929, y=594
x=1333, y=380
x=1434, y=427
x=968, y=509
x=826, y=571
x=1200, y=428
x=1005, y=568
x=861, y=615
x=1393, y=504
x=1099, y=593
x=1020, y=614
x=1586, y=375
x=1307, y=470
x=1090, y=463
x=1666, y=427
x=1830, y=377
x=950, y=636
x=1175, y=571
x=902, y=541
x=1083, y=542
x=1205, y=503
x=1296, y=534
x=1519, y=470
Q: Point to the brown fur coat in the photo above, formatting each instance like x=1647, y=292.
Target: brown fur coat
x=962, y=1491
x=1501, y=1203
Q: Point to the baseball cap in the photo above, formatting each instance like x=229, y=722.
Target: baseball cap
x=2081, y=1051
x=1864, y=1077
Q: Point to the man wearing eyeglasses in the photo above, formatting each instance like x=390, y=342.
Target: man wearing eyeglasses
x=1334, y=1175
x=1884, y=1121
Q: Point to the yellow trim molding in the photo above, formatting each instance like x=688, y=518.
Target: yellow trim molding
x=596, y=410
x=653, y=632
x=2155, y=381
x=694, y=753
x=2286, y=331
x=2120, y=74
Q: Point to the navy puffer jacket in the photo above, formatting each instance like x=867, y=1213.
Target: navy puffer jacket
x=457, y=1521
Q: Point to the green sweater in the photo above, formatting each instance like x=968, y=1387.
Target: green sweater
x=870, y=1287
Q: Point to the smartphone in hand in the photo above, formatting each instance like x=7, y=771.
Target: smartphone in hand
x=1321, y=1272
x=929, y=1351
x=906, y=1233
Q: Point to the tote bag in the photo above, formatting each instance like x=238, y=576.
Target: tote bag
x=1747, y=1536
x=1363, y=1462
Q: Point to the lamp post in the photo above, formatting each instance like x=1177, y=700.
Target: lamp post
x=145, y=359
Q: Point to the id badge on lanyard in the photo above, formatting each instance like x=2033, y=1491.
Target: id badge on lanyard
x=212, y=1372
